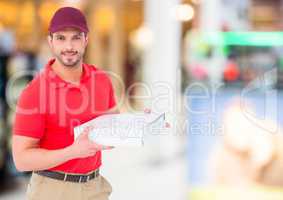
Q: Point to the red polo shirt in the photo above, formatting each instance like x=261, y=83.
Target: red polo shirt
x=49, y=108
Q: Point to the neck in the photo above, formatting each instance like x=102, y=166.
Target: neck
x=69, y=74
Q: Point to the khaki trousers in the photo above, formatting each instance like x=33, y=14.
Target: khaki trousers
x=44, y=188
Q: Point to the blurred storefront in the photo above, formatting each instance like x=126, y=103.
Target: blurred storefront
x=233, y=53
x=215, y=48
x=229, y=36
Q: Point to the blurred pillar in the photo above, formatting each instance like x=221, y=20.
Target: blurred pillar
x=210, y=15
x=95, y=48
x=107, y=37
x=117, y=43
x=162, y=70
x=211, y=21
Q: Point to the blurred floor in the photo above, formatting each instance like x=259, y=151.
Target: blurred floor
x=132, y=176
x=14, y=190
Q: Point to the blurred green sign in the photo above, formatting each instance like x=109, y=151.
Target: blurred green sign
x=244, y=38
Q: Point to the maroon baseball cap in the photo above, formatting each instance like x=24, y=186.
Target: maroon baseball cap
x=68, y=17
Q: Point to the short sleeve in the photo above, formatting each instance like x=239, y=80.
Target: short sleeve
x=29, y=117
x=112, y=99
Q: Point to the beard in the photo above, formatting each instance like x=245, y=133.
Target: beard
x=69, y=61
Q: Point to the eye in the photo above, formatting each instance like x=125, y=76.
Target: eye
x=60, y=37
x=77, y=37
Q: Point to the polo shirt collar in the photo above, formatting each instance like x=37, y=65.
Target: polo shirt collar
x=59, y=82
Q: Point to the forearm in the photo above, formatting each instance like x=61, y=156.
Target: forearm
x=33, y=159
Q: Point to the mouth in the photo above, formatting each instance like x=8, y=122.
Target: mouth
x=69, y=53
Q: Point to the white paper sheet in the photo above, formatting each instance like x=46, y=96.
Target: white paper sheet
x=125, y=129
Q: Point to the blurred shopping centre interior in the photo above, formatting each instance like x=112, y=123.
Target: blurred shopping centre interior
x=218, y=41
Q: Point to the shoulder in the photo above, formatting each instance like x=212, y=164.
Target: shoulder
x=101, y=75
x=32, y=91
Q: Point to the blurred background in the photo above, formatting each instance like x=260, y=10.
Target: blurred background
x=214, y=66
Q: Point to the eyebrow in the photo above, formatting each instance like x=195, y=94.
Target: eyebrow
x=77, y=34
x=58, y=35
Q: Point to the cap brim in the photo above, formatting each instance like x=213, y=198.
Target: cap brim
x=65, y=26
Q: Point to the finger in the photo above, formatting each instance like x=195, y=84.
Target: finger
x=147, y=110
x=84, y=134
x=93, y=152
x=104, y=147
x=108, y=147
x=85, y=131
x=167, y=125
x=88, y=129
x=97, y=146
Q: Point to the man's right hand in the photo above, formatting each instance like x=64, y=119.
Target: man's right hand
x=28, y=156
x=83, y=147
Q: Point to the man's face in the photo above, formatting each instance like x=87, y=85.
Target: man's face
x=68, y=46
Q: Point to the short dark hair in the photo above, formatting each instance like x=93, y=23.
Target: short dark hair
x=51, y=34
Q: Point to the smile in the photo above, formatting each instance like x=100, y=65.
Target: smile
x=69, y=53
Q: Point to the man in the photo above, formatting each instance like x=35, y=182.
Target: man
x=65, y=94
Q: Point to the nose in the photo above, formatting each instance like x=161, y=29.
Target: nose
x=69, y=45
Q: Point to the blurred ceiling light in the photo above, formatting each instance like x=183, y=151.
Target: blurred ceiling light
x=104, y=18
x=46, y=11
x=184, y=12
x=196, y=2
x=141, y=38
x=27, y=18
x=71, y=1
x=8, y=12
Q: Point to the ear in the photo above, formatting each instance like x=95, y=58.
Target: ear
x=86, y=39
x=49, y=39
